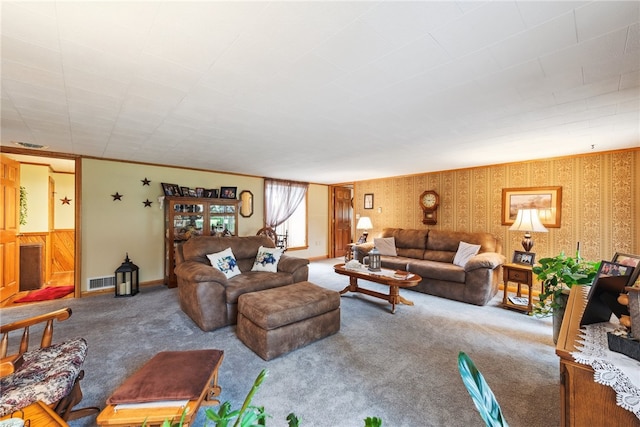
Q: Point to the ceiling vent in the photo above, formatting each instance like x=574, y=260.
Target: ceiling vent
x=32, y=146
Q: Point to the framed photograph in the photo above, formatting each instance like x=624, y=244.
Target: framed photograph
x=228, y=192
x=211, y=193
x=548, y=201
x=199, y=192
x=603, y=296
x=184, y=191
x=631, y=261
x=170, y=189
x=368, y=201
x=192, y=192
x=524, y=258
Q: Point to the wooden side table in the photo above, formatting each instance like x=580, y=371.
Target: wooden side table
x=40, y=415
x=522, y=275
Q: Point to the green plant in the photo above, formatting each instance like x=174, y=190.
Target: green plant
x=557, y=275
x=23, y=205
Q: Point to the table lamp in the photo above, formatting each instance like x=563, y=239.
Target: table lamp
x=364, y=223
x=528, y=221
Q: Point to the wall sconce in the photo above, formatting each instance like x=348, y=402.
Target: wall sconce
x=364, y=223
x=127, y=284
x=528, y=221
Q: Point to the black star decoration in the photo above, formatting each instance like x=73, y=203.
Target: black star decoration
x=147, y=203
x=65, y=201
x=116, y=196
x=145, y=181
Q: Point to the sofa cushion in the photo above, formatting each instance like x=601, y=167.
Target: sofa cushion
x=226, y=262
x=267, y=259
x=409, y=243
x=385, y=245
x=437, y=270
x=246, y=247
x=465, y=252
x=253, y=281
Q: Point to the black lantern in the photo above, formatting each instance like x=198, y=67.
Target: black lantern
x=374, y=260
x=127, y=284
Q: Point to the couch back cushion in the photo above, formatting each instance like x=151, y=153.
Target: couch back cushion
x=409, y=243
x=244, y=248
x=443, y=245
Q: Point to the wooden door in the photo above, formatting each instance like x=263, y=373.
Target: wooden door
x=9, y=227
x=341, y=220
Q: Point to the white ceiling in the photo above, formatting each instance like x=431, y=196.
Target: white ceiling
x=321, y=91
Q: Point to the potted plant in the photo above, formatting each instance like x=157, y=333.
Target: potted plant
x=557, y=275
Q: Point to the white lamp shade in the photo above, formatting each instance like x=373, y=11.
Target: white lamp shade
x=528, y=220
x=364, y=223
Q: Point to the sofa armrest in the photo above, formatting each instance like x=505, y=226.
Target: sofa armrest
x=489, y=260
x=194, y=271
x=289, y=264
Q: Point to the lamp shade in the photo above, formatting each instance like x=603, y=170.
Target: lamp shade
x=528, y=220
x=364, y=223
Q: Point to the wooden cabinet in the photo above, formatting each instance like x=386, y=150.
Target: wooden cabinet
x=583, y=401
x=187, y=217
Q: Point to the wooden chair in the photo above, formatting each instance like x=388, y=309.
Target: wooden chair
x=280, y=240
x=480, y=392
x=50, y=374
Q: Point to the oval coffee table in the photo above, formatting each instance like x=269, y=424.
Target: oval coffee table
x=384, y=277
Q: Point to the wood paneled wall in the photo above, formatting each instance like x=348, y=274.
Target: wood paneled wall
x=600, y=202
x=63, y=250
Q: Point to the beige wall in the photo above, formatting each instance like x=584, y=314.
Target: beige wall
x=64, y=214
x=111, y=228
x=600, y=202
x=35, y=180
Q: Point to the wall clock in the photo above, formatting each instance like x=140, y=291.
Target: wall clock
x=429, y=202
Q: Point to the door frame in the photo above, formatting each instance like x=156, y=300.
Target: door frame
x=78, y=204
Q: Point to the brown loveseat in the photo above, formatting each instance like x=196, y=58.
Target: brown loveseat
x=430, y=253
x=208, y=297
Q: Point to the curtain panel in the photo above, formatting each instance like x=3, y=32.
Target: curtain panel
x=281, y=198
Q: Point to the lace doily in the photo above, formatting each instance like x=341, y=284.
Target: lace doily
x=612, y=369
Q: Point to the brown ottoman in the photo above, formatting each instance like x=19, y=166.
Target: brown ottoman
x=275, y=321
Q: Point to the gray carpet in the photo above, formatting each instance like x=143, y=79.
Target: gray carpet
x=401, y=367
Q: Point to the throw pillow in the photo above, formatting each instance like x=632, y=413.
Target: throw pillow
x=386, y=245
x=267, y=259
x=225, y=262
x=466, y=251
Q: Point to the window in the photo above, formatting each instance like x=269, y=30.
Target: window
x=286, y=210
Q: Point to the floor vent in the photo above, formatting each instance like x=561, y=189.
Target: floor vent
x=98, y=283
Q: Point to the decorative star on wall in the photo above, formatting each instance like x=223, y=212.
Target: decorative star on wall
x=145, y=181
x=147, y=203
x=116, y=196
x=65, y=201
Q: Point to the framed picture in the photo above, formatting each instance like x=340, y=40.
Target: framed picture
x=631, y=261
x=185, y=191
x=603, y=296
x=548, y=201
x=524, y=258
x=170, y=189
x=192, y=192
x=228, y=192
x=211, y=193
x=368, y=201
x=199, y=192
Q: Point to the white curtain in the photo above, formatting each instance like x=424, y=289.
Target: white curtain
x=281, y=198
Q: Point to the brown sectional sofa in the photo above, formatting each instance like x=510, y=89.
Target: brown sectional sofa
x=208, y=297
x=430, y=254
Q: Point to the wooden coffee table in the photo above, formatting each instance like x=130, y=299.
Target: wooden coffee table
x=384, y=277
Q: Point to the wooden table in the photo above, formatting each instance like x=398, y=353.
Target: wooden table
x=584, y=402
x=384, y=277
x=522, y=275
x=39, y=414
x=123, y=416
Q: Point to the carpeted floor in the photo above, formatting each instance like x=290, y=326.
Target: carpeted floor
x=401, y=367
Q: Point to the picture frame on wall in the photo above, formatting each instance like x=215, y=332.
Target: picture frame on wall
x=524, y=258
x=548, y=201
x=368, y=201
x=228, y=192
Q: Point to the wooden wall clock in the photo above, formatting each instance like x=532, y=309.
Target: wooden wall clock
x=429, y=202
